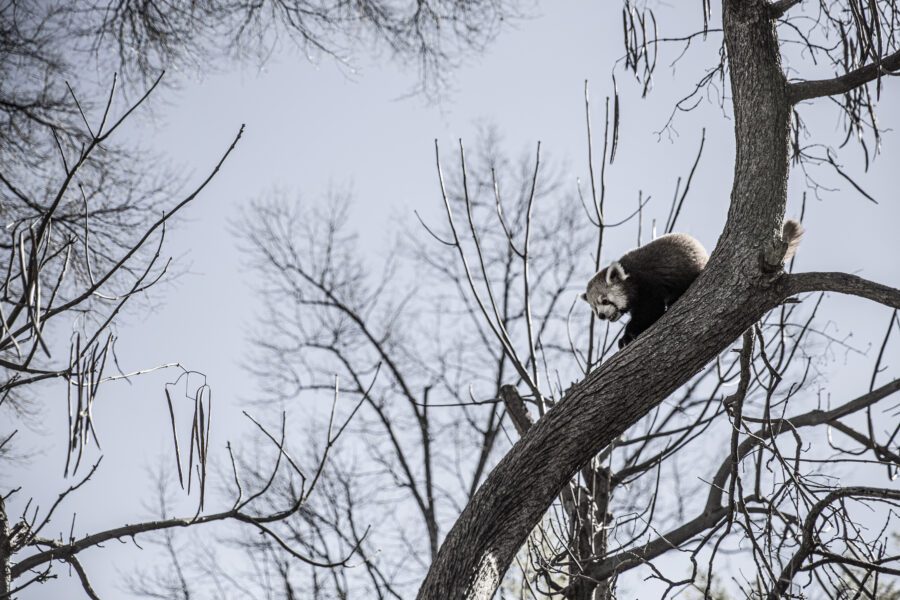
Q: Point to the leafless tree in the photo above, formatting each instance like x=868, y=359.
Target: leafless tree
x=47, y=96
x=53, y=275
x=445, y=346
x=53, y=41
x=84, y=232
x=431, y=35
x=78, y=247
x=432, y=423
x=596, y=488
x=630, y=505
x=801, y=529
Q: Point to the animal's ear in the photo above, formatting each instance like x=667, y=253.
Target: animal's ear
x=615, y=272
x=583, y=296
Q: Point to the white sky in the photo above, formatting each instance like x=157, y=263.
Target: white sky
x=312, y=128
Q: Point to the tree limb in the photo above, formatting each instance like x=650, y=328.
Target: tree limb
x=714, y=511
x=843, y=283
x=82, y=575
x=809, y=543
x=66, y=551
x=806, y=90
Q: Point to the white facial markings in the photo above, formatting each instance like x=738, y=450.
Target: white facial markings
x=606, y=293
x=606, y=311
x=618, y=301
x=610, y=303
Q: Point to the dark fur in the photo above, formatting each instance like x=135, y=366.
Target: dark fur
x=658, y=274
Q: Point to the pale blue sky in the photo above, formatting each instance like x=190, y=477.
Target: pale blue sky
x=312, y=128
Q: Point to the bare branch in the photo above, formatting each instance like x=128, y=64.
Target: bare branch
x=843, y=283
x=809, y=542
x=806, y=90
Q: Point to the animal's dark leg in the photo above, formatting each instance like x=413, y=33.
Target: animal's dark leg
x=642, y=317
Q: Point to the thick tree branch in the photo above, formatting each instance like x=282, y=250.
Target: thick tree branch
x=805, y=90
x=842, y=283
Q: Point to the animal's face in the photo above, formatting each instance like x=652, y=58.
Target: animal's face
x=606, y=293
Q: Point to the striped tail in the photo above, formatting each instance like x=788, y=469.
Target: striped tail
x=791, y=233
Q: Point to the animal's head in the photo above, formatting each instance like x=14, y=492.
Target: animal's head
x=606, y=293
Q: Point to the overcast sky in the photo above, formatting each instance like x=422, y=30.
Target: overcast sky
x=311, y=128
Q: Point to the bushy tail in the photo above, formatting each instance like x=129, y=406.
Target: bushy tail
x=791, y=233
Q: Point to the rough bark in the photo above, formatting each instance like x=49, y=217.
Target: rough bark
x=5, y=551
x=729, y=296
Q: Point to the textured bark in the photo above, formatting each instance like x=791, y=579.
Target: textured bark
x=730, y=295
x=5, y=551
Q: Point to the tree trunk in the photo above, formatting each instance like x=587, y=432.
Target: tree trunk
x=591, y=539
x=731, y=294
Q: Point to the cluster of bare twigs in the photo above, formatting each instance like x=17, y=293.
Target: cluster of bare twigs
x=858, y=41
x=772, y=490
x=41, y=284
x=83, y=231
x=256, y=504
x=139, y=40
x=58, y=275
x=432, y=35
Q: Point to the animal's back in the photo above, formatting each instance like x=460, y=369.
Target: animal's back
x=670, y=262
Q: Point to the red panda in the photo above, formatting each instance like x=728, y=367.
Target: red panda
x=646, y=281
